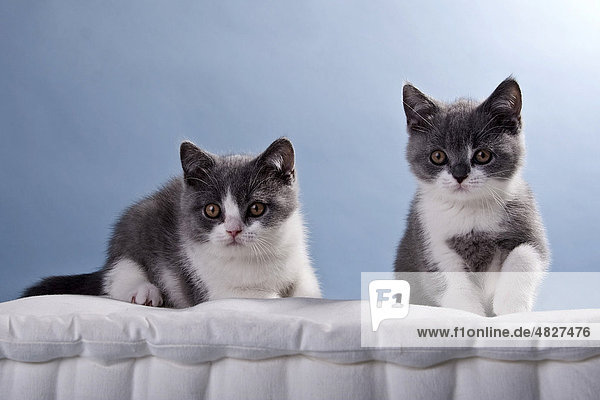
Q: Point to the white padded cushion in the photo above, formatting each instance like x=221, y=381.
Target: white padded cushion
x=44, y=328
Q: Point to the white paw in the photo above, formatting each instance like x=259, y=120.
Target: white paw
x=471, y=305
x=146, y=294
x=510, y=303
x=462, y=294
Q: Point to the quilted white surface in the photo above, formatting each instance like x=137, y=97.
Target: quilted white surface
x=66, y=347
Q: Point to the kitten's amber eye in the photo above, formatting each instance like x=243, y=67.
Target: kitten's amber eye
x=256, y=209
x=212, y=210
x=438, y=157
x=482, y=156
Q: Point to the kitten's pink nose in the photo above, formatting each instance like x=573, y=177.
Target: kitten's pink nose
x=233, y=225
x=233, y=233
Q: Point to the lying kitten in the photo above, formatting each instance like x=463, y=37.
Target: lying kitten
x=229, y=227
x=472, y=211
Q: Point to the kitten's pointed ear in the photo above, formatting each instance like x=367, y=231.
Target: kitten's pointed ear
x=195, y=162
x=279, y=158
x=418, y=107
x=505, y=104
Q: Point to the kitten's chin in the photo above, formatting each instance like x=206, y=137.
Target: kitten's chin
x=228, y=250
x=466, y=192
x=236, y=248
x=234, y=245
x=455, y=193
x=463, y=194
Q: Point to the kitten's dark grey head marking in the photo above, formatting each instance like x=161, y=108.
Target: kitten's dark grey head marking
x=234, y=183
x=461, y=128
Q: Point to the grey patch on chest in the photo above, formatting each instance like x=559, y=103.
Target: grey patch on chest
x=288, y=291
x=477, y=249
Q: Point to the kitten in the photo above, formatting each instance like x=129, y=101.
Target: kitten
x=229, y=227
x=472, y=211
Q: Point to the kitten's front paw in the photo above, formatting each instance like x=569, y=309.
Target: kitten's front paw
x=510, y=303
x=147, y=294
x=474, y=306
x=462, y=301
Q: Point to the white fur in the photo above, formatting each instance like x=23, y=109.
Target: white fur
x=263, y=265
x=523, y=270
x=172, y=285
x=126, y=281
x=233, y=219
x=257, y=263
x=447, y=209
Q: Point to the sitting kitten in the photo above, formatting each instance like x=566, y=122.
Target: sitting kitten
x=229, y=227
x=472, y=211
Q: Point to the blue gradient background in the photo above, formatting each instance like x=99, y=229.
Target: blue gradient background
x=95, y=97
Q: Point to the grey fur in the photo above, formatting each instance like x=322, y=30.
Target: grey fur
x=476, y=248
x=459, y=128
x=249, y=179
x=464, y=124
x=152, y=231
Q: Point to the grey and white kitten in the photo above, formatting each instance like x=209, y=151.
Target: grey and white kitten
x=472, y=211
x=229, y=227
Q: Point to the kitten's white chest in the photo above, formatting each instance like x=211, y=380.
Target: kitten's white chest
x=443, y=220
x=242, y=273
x=236, y=277
x=446, y=219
